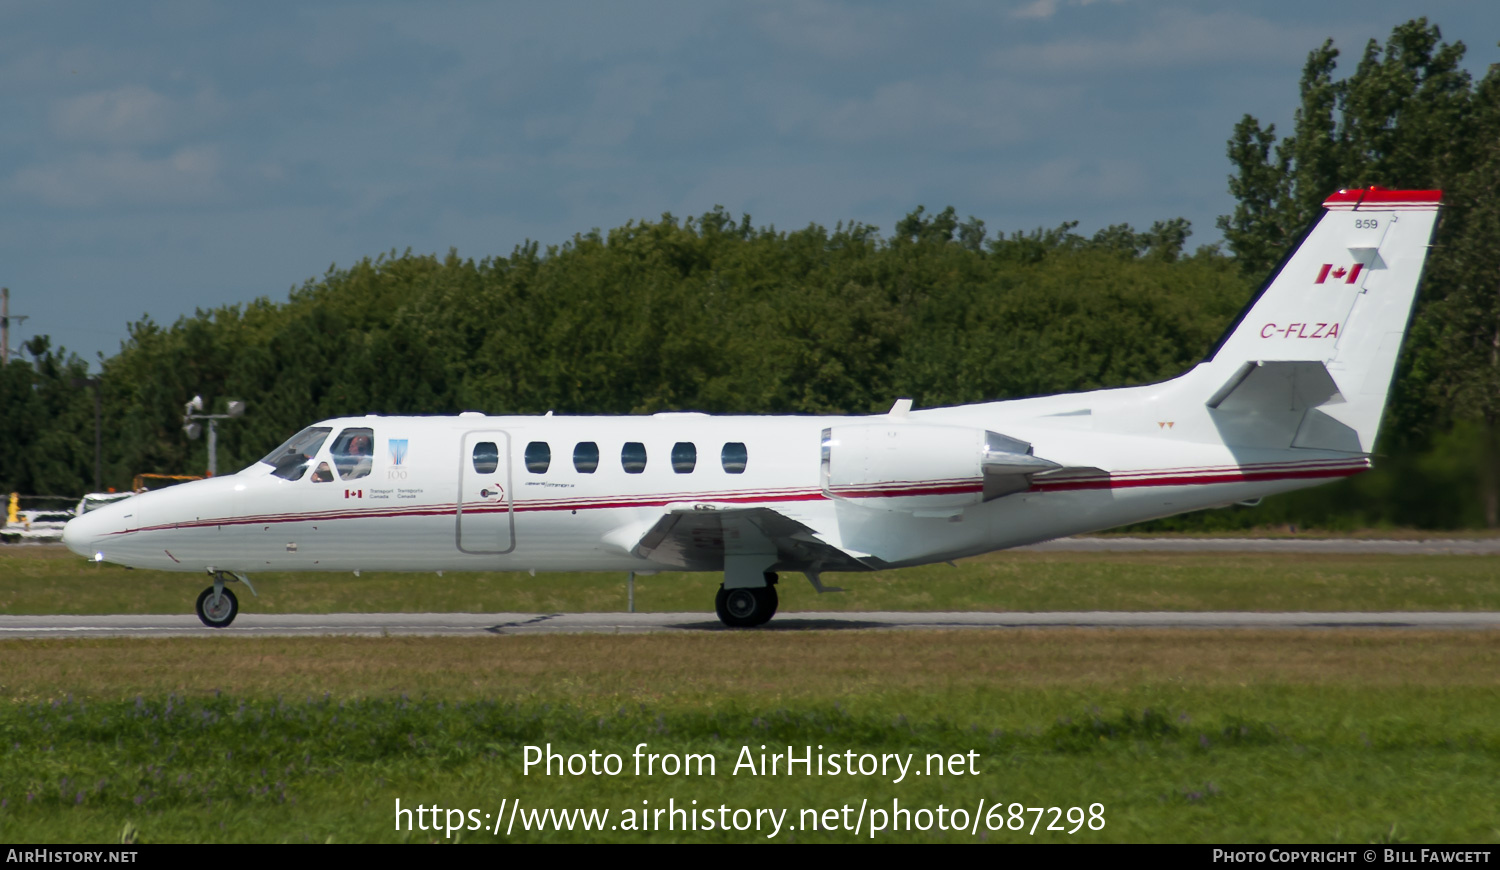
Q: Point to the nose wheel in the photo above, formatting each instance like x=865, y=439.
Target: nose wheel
x=217, y=606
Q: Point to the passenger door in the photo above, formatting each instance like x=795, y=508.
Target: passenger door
x=486, y=524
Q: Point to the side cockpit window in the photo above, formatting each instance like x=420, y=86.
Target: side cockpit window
x=289, y=461
x=353, y=452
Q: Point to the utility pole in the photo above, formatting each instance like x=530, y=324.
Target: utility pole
x=5, y=320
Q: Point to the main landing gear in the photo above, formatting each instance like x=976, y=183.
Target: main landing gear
x=217, y=606
x=747, y=607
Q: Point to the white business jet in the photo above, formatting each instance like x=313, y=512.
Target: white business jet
x=1291, y=397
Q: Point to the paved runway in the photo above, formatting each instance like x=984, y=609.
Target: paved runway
x=1355, y=546
x=434, y=624
x=475, y=624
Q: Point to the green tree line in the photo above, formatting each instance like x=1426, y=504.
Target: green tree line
x=1408, y=116
x=705, y=313
x=712, y=313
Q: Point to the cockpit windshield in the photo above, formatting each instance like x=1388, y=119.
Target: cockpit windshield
x=290, y=460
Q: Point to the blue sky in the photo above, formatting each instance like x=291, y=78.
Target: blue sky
x=160, y=157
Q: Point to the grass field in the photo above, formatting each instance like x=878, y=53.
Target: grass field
x=52, y=580
x=1182, y=736
x=1350, y=736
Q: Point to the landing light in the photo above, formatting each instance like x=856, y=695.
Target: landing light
x=98, y=557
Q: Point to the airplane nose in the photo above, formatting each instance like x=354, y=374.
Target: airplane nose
x=80, y=533
x=86, y=535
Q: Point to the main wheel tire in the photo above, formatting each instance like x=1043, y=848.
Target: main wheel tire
x=746, y=608
x=772, y=601
x=217, y=614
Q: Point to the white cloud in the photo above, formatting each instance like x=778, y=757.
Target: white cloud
x=124, y=179
x=623, y=98
x=1070, y=180
x=522, y=36
x=127, y=115
x=1042, y=9
x=827, y=29
x=1168, y=40
x=943, y=112
x=1037, y=9
x=909, y=109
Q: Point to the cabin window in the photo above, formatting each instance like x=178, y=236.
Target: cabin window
x=486, y=457
x=633, y=457
x=734, y=457
x=684, y=457
x=538, y=457
x=586, y=457
x=289, y=461
x=353, y=452
x=324, y=474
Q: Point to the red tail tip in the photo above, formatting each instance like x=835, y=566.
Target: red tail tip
x=1380, y=198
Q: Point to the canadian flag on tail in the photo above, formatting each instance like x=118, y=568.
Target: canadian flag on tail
x=1349, y=274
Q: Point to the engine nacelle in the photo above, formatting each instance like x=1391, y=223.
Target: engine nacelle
x=916, y=467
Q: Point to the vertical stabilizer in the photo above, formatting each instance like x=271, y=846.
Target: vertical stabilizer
x=1329, y=323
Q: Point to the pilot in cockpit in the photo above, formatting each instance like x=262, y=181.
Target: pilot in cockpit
x=356, y=462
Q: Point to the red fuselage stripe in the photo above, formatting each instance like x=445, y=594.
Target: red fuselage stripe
x=1121, y=480
x=1194, y=480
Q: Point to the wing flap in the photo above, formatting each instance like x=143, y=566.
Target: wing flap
x=698, y=536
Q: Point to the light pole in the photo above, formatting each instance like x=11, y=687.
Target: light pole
x=5, y=318
x=194, y=429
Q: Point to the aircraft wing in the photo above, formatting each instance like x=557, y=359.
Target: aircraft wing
x=697, y=537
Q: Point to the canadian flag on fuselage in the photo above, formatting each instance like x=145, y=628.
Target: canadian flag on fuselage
x=1351, y=271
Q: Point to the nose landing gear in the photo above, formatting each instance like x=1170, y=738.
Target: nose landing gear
x=217, y=606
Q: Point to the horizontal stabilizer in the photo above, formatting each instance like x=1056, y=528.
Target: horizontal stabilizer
x=1297, y=385
x=1321, y=432
x=1071, y=477
x=1009, y=465
x=1275, y=403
